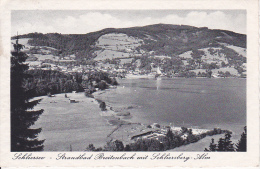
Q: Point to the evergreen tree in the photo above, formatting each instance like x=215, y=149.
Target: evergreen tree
x=220, y=146
x=23, y=138
x=228, y=145
x=212, y=146
x=241, y=145
x=169, y=134
x=224, y=144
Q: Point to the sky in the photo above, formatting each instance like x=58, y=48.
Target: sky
x=81, y=22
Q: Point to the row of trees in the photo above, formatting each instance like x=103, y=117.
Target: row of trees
x=51, y=81
x=172, y=140
x=225, y=144
x=54, y=82
x=161, y=143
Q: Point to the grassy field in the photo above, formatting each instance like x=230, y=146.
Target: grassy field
x=67, y=124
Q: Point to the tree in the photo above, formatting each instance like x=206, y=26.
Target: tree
x=220, y=146
x=116, y=145
x=90, y=148
x=241, y=145
x=68, y=86
x=223, y=64
x=240, y=70
x=184, y=129
x=228, y=145
x=224, y=144
x=169, y=134
x=212, y=146
x=227, y=74
x=197, y=55
x=209, y=73
x=102, y=106
x=155, y=145
x=23, y=138
x=190, y=131
x=102, y=85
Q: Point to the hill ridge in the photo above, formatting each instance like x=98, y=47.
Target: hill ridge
x=160, y=39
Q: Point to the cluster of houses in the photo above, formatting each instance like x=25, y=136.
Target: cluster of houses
x=70, y=68
x=43, y=59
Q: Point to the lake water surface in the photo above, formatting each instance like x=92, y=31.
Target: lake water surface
x=201, y=102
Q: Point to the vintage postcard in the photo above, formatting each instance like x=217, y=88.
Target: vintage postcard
x=129, y=83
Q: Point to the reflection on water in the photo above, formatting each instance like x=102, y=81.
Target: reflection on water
x=158, y=83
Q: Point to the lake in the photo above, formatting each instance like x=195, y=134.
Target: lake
x=189, y=102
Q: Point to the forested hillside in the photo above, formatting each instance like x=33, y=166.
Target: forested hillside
x=159, y=39
x=48, y=82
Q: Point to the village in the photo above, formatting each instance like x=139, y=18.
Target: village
x=120, y=56
x=130, y=66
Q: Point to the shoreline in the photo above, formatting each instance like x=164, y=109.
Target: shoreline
x=142, y=131
x=164, y=77
x=120, y=127
x=113, y=115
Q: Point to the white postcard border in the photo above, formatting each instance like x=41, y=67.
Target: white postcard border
x=249, y=158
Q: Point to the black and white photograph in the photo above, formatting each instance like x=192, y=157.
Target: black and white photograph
x=129, y=83
x=134, y=80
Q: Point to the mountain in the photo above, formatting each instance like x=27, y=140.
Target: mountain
x=159, y=39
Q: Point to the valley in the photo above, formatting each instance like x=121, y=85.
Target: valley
x=177, y=50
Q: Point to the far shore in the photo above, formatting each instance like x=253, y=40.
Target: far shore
x=164, y=77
